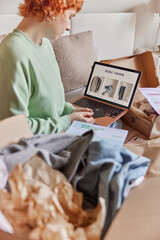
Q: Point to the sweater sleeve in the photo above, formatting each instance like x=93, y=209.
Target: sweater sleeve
x=49, y=125
x=15, y=93
x=68, y=108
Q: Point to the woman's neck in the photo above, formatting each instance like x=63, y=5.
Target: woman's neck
x=32, y=28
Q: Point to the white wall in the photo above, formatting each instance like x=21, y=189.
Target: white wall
x=146, y=25
x=9, y=6
x=113, y=33
x=112, y=5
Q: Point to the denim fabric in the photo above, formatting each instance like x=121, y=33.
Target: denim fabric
x=109, y=171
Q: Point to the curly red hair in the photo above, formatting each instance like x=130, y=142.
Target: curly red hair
x=41, y=8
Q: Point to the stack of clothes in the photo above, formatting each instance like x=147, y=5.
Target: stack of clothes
x=63, y=186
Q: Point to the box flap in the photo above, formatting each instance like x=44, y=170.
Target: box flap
x=139, y=215
x=13, y=129
x=143, y=62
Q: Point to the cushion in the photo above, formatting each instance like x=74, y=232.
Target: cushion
x=72, y=95
x=75, y=55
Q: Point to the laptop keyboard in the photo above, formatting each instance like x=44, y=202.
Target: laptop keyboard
x=107, y=110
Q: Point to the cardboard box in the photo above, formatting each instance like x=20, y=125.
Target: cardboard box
x=139, y=216
x=12, y=130
x=145, y=63
x=139, y=121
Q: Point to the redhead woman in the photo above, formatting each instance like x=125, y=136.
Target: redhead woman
x=30, y=80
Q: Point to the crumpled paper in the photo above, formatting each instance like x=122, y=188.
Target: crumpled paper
x=144, y=106
x=43, y=205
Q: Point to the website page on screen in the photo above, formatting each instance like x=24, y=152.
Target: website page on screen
x=112, y=84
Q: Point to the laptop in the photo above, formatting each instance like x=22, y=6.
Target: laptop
x=109, y=92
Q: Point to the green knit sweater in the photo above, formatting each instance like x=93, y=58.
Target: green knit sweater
x=30, y=83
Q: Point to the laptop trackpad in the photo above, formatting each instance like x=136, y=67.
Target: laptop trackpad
x=98, y=113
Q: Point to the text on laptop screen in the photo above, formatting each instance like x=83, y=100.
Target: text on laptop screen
x=112, y=84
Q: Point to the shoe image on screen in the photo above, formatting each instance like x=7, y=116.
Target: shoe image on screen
x=108, y=89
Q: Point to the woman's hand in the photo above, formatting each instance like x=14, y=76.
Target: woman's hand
x=82, y=110
x=82, y=115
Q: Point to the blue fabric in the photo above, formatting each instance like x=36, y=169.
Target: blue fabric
x=109, y=171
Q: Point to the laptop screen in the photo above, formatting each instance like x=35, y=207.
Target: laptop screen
x=112, y=84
